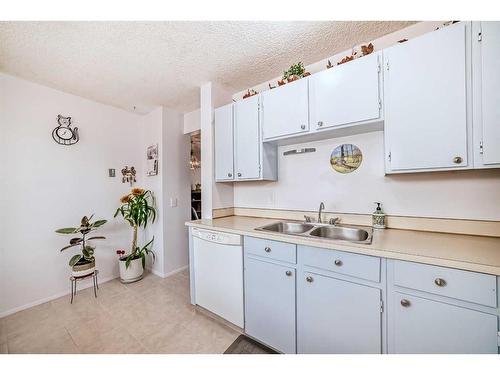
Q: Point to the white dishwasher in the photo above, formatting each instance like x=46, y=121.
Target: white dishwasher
x=218, y=273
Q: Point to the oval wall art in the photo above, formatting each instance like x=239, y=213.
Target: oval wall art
x=346, y=158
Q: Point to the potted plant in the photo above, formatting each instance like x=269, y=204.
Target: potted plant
x=138, y=210
x=84, y=263
x=295, y=72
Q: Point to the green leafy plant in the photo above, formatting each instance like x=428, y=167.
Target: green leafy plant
x=138, y=210
x=86, y=226
x=295, y=70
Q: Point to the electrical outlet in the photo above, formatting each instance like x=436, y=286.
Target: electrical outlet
x=173, y=202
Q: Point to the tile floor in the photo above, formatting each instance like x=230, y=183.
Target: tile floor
x=150, y=316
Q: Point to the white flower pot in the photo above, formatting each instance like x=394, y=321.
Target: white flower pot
x=134, y=271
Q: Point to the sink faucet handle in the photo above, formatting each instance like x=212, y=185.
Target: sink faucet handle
x=307, y=218
x=334, y=220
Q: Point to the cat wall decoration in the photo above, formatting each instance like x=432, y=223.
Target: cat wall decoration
x=64, y=134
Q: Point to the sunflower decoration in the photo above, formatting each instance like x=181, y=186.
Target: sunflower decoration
x=125, y=199
x=137, y=191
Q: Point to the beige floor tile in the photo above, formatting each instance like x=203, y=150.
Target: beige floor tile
x=115, y=341
x=201, y=335
x=161, y=340
x=153, y=315
x=37, y=318
x=148, y=281
x=44, y=340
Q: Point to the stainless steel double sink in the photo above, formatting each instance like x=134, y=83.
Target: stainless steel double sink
x=318, y=230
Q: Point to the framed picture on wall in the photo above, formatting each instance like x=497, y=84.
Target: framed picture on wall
x=152, y=160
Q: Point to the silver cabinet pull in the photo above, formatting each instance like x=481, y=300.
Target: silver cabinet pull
x=229, y=175
x=338, y=262
x=320, y=123
x=267, y=249
x=288, y=273
x=440, y=282
x=239, y=174
x=302, y=126
x=457, y=160
x=309, y=279
x=405, y=303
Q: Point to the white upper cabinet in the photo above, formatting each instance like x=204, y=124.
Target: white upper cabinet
x=239, y=152
x=425, y=92
x=247, y=139
x=486, y=78
x=346, y=94
x=285, y=110
x=223, y=135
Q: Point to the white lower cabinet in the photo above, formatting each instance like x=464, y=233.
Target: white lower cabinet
x=337, y=317
x=420, y=325
x=333, y=302
x=270, y=304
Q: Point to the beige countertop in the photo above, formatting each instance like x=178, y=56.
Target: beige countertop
x=472, y=253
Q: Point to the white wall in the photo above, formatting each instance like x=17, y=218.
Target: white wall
x=176, y=187
x=192, y=121
x=306, y=179
x=152, y=132
x=46, y=186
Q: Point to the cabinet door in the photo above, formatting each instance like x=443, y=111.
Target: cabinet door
x=223, y=145
x=247, y=139
x=345, y=94
x=423, y=326
x=285, y=110
x=270, y=304
x=425, y=83
x=489, y=108
x=336, y=316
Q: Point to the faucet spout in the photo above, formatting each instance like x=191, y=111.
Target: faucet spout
x=321, y=208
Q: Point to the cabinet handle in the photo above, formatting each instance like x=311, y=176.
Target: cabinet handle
x=338, y=262
x=440, y=282
x=302, y=126
x=229, y=175
x=320, y=123
x=239, y=174
x=288, y=273
x=267, y=249
x=405, y=303
x=309, y=279
x=457, y=160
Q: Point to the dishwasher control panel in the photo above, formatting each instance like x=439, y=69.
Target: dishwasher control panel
x=218, y=237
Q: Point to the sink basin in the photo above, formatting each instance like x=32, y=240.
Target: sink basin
x=288, y=228
x=341, y=233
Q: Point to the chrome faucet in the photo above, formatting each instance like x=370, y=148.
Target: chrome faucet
x=321, y=208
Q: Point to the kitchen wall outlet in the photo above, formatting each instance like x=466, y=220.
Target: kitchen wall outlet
x=173, y=202
x=111, y=172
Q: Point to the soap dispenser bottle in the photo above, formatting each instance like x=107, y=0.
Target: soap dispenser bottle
x=378, y=217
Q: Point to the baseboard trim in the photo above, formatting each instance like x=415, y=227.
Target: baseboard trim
x=171, y=273
x=86, y=285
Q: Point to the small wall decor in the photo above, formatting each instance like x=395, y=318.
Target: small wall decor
x=152, y=160
x=346, y=158
x=250, y=93
x=128, y=175
x=63, y=133
x=366, y=50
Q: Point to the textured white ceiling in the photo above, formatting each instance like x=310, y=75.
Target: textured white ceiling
x=146, y=64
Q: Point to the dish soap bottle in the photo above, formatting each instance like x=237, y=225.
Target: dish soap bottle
x=378, y=217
